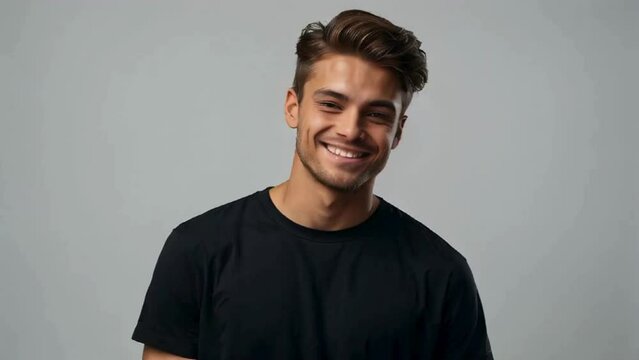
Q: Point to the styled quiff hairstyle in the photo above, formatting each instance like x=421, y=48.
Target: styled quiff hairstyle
x=370, y=37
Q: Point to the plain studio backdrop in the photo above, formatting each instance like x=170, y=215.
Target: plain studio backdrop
x=121, y=119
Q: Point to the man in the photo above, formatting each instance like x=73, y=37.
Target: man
x=318, y=267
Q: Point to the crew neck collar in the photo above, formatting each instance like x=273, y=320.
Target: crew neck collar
x=369, y=227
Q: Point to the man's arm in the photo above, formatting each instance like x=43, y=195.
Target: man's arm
x=169, y=319
x=464, y=327
x=151, y=353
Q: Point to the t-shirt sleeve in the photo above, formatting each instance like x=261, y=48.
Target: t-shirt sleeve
x=464, y=334
x=169, y=319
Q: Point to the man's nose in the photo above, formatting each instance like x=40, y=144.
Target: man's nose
x=350, y=126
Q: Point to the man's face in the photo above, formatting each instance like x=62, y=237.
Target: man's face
x=347, y=122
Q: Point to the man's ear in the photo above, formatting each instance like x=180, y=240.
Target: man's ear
x=398, y=133
x=291, y=108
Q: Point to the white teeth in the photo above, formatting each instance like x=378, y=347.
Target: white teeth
x=343, y=153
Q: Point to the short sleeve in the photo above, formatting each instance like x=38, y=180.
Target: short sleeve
x=464, y=334
x=169, y=319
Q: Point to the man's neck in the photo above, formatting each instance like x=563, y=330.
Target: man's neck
x=311, y=204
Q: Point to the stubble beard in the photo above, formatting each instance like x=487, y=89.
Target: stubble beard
x=313, y=166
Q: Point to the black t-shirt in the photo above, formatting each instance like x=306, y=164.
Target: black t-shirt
x=242, y=281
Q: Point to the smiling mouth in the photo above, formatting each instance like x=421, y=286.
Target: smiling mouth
x=347, y=154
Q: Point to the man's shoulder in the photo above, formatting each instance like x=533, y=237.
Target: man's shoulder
x=219, y=218
x=425, y=242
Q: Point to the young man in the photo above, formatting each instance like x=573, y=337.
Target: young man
x=318, y=267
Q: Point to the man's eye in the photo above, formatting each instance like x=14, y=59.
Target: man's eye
x=378, y=116
x=329, y=105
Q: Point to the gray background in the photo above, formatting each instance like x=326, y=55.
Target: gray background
x=120, y=119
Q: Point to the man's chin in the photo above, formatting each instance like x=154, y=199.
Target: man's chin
x=346, y=183
x=343, y=186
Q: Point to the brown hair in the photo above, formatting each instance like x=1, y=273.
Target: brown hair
x=369, y=36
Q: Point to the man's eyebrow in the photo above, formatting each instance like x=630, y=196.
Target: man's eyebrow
x=331, y=93
x=375, y=103
x=383, y=103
